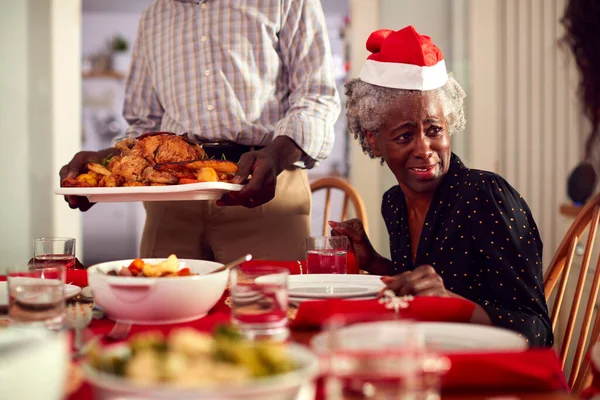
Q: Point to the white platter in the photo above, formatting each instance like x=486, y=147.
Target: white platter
x=328, y=286
x=70, y=291
x=444, y=337
x=191, y=191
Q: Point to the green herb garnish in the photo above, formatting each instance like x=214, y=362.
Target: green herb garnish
x=106, y=160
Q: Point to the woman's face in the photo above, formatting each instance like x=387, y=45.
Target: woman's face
x=414, y=142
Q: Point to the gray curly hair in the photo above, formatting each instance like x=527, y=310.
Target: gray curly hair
x=367, y=104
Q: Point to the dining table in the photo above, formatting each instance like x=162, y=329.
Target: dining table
x=552, y=388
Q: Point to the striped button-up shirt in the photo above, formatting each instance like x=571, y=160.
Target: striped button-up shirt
x=242, y=71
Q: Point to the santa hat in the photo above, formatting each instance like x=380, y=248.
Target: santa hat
x=404, y=59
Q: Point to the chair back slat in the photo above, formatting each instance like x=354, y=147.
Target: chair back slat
x=327, y=209
x=585, y=325
x=579, y=289
x=557, y=282
x=350, y=196
x=563, y=282
x=345, y=207
x=584, y=377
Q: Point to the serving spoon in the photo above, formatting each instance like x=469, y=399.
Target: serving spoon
x=232, y=264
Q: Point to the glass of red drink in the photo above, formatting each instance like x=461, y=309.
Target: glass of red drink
x=53, y=252
x=326, y=254
x=260, y=301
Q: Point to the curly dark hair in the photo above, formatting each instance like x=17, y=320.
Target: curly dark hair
x=582, y=25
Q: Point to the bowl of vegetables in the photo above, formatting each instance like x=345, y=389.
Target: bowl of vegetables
x=157, y=291
x=188, y=364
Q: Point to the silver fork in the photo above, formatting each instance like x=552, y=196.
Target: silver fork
x=119, y=331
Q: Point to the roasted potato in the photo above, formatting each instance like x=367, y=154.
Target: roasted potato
x=169, y=266
x=89, y=179
x=99, y=169
x=223, y=166
x=132, y=184
x=112, y=180
x=185, y=181
x=207, y=174
x=70, y=182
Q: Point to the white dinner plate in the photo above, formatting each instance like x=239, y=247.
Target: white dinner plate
x=191, y=191
x=327, y=286
x=444, y=337
x=70, y=291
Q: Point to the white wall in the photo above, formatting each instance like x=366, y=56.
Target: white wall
x=37, y=103
x=15, y=231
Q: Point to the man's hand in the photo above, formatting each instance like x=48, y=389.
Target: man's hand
x=422, y=281
x=262, y=166
x=77, y=166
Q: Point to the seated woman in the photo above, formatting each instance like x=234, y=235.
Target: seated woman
x=454, y=231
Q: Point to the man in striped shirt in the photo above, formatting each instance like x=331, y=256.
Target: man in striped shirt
x=252, y=80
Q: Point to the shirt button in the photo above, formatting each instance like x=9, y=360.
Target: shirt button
x=207, y=72
x=203, y=6
x=204, y=38
x=209, y=107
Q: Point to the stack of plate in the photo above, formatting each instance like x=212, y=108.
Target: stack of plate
x=331, y=286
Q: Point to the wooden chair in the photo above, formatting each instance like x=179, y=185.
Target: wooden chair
x=350, y=195
x=557, y=277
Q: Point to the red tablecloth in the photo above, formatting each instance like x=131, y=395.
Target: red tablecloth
x=531, y=370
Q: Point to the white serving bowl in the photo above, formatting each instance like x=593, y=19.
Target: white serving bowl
x=297, y=384
x=155, y=301
x=34, y=363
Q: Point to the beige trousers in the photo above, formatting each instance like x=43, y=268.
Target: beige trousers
x=202, y=230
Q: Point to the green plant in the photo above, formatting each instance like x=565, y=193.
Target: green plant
x=119, y=44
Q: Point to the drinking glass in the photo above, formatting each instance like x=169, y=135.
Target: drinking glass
x=392, y=364
x=326, y=254
x=54, y=251
x=36, y=296
x=260, y=301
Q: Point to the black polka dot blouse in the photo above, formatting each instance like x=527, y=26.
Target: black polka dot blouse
x=481, y=238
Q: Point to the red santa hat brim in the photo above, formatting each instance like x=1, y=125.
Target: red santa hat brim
x=404, y=76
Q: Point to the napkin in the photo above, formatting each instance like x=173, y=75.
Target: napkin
x=77, y=277
x=530, y=370
x=312, y=314
x=295, y=267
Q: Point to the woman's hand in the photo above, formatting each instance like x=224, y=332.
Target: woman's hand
x=359, y=242
x=422, y=281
